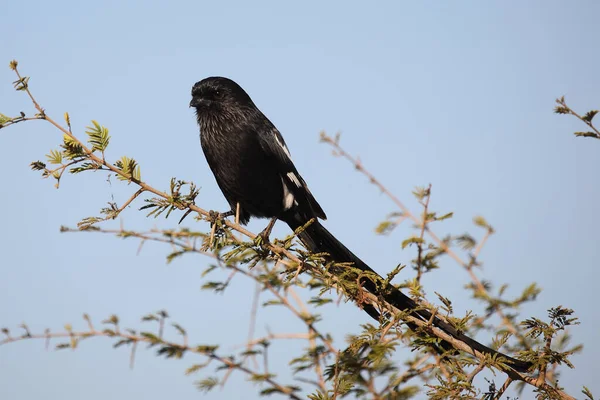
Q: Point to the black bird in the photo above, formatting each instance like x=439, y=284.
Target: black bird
x=254, y=169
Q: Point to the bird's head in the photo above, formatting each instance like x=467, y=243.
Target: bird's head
x=217, y=94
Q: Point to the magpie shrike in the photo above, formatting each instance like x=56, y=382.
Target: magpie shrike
x=254, y=169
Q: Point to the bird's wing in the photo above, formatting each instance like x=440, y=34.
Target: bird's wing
x=295, y=188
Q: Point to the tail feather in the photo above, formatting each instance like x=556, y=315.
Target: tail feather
x=317, y=239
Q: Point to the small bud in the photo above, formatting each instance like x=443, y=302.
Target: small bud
x=13, y=64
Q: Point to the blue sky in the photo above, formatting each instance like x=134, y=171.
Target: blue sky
x=457, y=95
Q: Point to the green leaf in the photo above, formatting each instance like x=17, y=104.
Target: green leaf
x=22, y=83
x=480, y=221
x=208, y=270
x=288, y=389
x=558, y=316
x=173, y=255
x=586, y=134
x=72, y=149
x=318, y=301
x=149, y=317
x=4, y=118
x=385, y=227
x=446, y=301
x=561, y=108
x=260, y=377
x=499, y=340
x=86, y=166
x=113, y=319
x=587, y=393
x=420, y=193
x=445, y=216
x=466, y=242
x=122, y=342
x=206, y=349
x=195, y=368
x=37, y=166
x=272, y=303
x=179, y=329
x=216, y=286
x=152, y=338
x=109, y=332
x=206, y=385
x=589, y=116
x=99, y=137
x=87, y=223
x=55, y=157
x=129, y=167
x=412, y=240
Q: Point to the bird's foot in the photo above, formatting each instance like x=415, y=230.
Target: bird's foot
x=263, y=237
x=214, y=216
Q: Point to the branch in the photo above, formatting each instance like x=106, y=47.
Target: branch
x=563, y=108
x=167, y=348
x=338, y=150
x=281, y=254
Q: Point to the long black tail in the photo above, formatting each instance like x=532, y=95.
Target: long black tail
x=317, y=239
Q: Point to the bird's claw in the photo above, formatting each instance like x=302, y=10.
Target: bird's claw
x=262, y=239
x=214, y=216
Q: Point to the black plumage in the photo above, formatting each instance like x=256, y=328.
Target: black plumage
x=253, y=167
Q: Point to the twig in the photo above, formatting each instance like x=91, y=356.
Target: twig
x=505, y=386
x=311, y=340
x=406, y=212
x=253, y=313
x=565, y=109
x=277, y=336
x=144, y=339
x=424, y=222
x=128, y=202
x=16, y=120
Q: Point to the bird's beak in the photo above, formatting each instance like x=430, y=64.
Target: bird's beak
x=199, y=102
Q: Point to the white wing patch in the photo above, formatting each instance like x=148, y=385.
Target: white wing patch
x=294, y=179
x=282, y=145
x=288, y=197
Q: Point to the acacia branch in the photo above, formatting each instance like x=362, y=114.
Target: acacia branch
x=286, y=257
x=443, y=245
x=278, y=250
x=154, y=340
x=423, y=225
x=563, y=108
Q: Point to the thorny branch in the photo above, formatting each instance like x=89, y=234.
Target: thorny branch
x=291, y=261
x=282, y=253
x=563, y=108
x=168, y=348
x=423, y=224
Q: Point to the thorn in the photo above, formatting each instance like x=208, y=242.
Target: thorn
x=189, y=210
